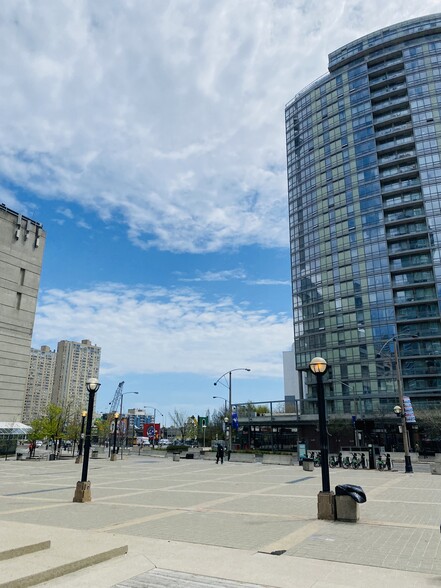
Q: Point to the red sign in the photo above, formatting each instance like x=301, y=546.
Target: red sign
x=152, y=430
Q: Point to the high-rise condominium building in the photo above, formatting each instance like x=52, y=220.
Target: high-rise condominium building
x=364, y=180
x=40, y=383
x=21, y=254
x=75, y=364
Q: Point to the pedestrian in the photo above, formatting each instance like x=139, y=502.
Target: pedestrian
x=388, y=462
x=363, y=461
x=30, y=448
x=340, y=460
x=417, y=448
x=220, y=454
x=229, y=454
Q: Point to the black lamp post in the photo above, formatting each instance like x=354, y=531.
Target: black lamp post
x=326, y=510
x=115, y=428
x=81, y=442
x=82, y=491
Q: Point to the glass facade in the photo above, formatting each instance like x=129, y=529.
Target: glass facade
x=364, y=184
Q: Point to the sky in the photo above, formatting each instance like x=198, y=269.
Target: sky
x=147, y=136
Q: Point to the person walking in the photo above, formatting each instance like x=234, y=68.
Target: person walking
x=220, y=454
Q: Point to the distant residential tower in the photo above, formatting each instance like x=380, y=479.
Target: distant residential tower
x=75, y=364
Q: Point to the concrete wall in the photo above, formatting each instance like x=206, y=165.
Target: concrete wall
x=21, y=255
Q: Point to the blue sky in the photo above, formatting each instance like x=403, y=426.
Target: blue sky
x=148, y=139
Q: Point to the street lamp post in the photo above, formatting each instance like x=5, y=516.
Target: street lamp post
x=407, y=459
x=224, y=399
x=326, y=509
x=225, y=410
x=230, y=413
x=82, y=491
x=81, y=442
x=115, y=428
x=120, y=425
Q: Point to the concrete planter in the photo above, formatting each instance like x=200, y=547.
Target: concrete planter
x=347, y=509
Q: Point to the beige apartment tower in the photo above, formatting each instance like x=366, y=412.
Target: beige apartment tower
x=40, y=383
x=22, y=243
x=75, y=364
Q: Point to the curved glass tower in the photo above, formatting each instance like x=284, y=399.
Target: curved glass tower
x=364, y=182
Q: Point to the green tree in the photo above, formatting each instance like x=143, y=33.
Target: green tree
x=103, y=428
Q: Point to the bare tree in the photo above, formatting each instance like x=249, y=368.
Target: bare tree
x=180, y=421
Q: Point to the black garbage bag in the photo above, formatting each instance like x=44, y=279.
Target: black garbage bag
x=355, y=492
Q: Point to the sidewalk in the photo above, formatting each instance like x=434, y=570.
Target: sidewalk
x=195, y=523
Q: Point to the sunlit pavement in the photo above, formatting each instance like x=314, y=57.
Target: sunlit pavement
x=197, y=522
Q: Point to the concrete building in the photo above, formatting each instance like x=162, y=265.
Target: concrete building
x=364, y=182
x=40, y=383
x=22, y=243
x=75, y=364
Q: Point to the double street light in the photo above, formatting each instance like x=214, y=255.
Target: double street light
x=230, y=410
x=82, y=491
x=399, y=410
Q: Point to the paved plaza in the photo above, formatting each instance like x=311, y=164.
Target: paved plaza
x=195, y=523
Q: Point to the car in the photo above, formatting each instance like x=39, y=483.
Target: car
x=38, y=443
x=164, y=442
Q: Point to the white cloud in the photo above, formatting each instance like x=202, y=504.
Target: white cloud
x=168, y=115
x=219, y=276
x=65, y=212
x=154, y=331
x=269, y=282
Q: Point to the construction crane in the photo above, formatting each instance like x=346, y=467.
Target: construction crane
x=117, y=399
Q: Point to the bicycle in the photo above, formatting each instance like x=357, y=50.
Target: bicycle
x=333, y=461
x=346, y=463
x=355, y=462
x=381, y=465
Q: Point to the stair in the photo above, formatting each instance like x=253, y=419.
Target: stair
x=28, y=561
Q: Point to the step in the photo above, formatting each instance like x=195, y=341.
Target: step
x=31, y=555
x=23, y=549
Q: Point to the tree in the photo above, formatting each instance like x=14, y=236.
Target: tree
x=180, y=421
x=53, y=423
x=429, y=421
x=103, y=428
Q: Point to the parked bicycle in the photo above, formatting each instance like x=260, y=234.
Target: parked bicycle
x=346, y=463
x=381, y=464
x=316, y=457
x=333, y=461
x=355, y=462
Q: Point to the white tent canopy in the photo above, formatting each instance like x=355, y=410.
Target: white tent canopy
x=14, y=428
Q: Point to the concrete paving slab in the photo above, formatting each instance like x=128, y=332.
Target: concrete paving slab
x=222, y=522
